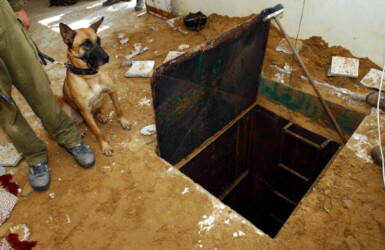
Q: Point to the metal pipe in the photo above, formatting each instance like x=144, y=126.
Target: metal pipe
x=329, y=113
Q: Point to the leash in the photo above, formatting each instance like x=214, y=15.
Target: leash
x=70, y=67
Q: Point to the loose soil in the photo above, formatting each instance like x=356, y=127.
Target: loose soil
x=135, y=200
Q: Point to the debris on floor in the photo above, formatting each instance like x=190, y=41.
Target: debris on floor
x=344, y=66
x=372, y=79
x=172, y=54
x=126, y=63
x=22, y=230
x=172, y=23
x=145, y=102
x=183, y=46
x=140, y=69
x=286, y=68
x=9, y=157
x=148, y=130
x=124, y=41
x=138, y=49
x=284, y=47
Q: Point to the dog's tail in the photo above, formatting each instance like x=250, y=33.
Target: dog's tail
x=72, y=113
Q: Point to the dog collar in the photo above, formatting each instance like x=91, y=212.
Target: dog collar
x=78, y=71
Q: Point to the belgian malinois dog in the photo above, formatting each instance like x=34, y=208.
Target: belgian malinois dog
x=86, y=83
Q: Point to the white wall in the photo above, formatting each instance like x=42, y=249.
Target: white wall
x=357, y=25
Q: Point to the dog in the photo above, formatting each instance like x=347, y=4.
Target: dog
x=86, y=83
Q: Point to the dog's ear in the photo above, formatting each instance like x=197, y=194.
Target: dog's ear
x=95, y=26
x=67, y=34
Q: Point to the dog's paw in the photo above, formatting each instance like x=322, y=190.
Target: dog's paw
x=103, y=119
x=125, y=123
x=107, y=149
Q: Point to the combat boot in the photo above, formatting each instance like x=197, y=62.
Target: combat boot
x=139, y=5
x=39, y=176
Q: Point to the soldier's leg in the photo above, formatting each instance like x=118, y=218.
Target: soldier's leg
x=29, y=77
x=22, y=135
x=16, y=127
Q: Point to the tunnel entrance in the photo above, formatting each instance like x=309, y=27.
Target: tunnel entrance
x=262, y=167
x=209, y=126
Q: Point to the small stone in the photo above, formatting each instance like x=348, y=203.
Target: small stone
x=347, y=203
x=352, y=243
x=148, y=130
x=327, y=191
x=27, y=190
x=124, y=41
x=183, y=46
x=52, y=195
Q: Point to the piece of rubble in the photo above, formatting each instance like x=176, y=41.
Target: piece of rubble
x=148, y=130
x=126, y=63
x=138, y=49
x=172, y=54
x=121, y=35
x=22, y=230
x=286, y=68
x=372, y=79
x=124, y=41
x=171, y=22
x=284, y=47
x=183, y=46
x=344, y=66
x=9, y=157
x=27, y=190
x=141, y=69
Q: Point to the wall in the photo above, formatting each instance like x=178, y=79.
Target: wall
x=353, y=24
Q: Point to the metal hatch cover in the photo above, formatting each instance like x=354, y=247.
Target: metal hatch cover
x=200, y=92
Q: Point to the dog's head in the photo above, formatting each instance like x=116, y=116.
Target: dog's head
x=84, y=44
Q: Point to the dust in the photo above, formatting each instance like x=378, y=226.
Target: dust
x=317, y=56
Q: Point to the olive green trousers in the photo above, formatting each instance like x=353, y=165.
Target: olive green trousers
x=20, y=66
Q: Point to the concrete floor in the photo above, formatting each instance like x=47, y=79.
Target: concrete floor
x=135, y=200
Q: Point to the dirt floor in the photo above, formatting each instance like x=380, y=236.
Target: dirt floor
x=136, y=200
